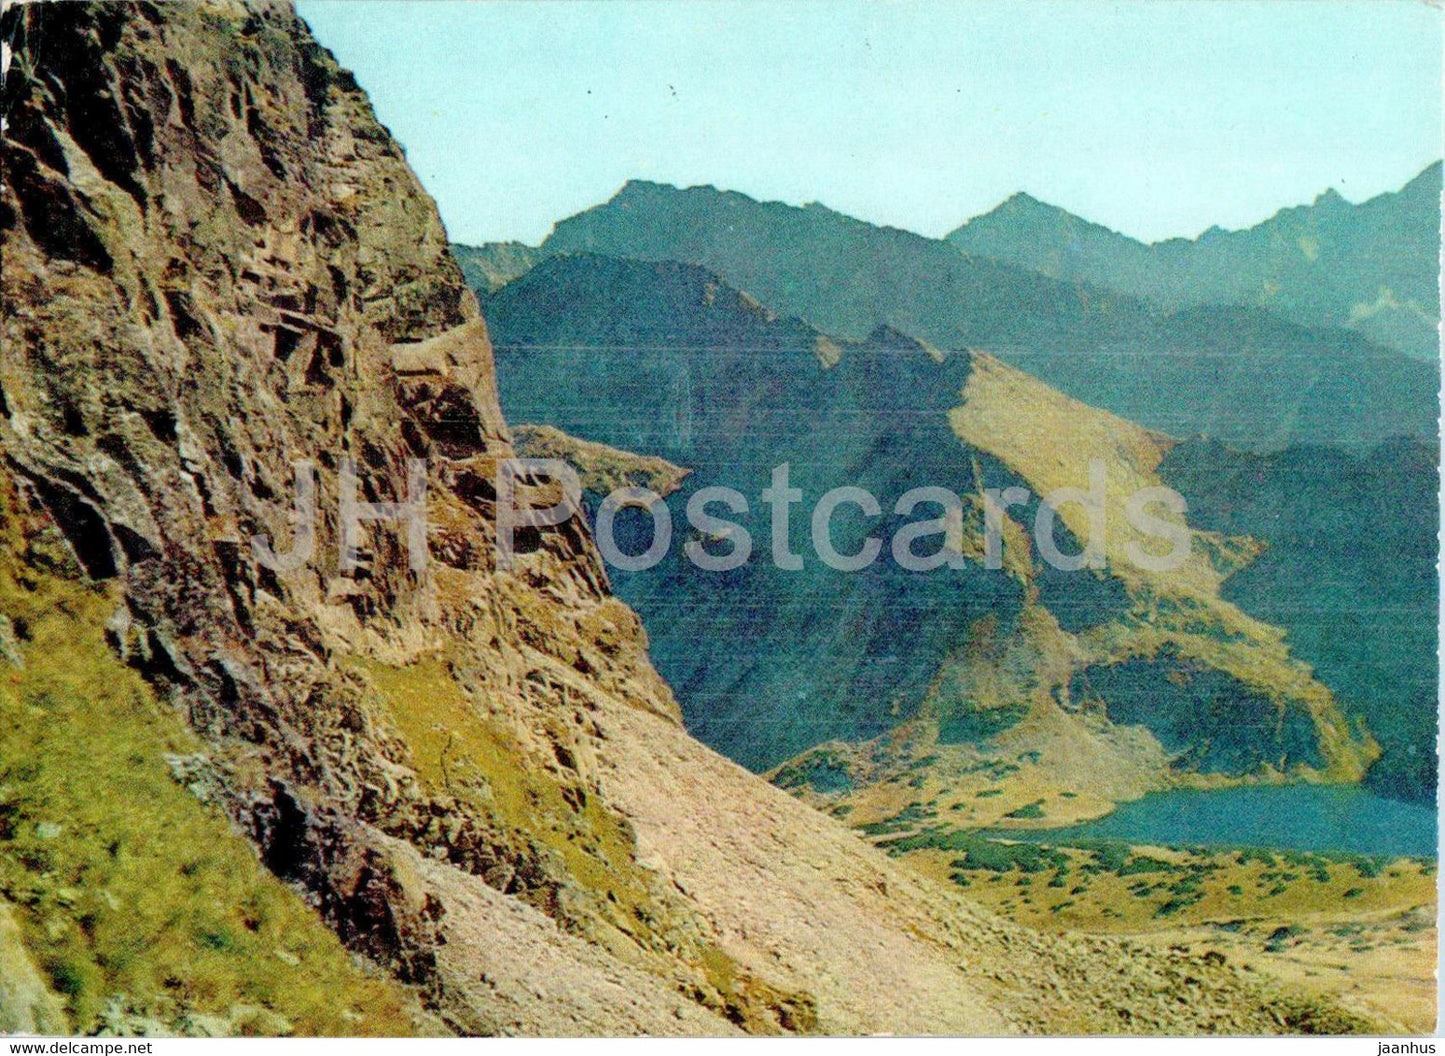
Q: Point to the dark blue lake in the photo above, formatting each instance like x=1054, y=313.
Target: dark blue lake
x=1294, y=817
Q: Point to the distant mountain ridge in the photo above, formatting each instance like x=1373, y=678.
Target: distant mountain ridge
x=1239, y=373
x=488, y=268
x=1372, y=267
x=652, y=276
x=839, y=274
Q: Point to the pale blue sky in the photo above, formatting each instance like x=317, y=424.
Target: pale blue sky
x=1156, y=119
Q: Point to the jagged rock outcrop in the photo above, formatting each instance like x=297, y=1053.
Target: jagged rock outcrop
x=217, y=265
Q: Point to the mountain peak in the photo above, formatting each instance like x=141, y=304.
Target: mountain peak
x=889, y=338
x=1022, y=199
x=636, y=188
x=1021, y=203
x=1427, y=182
x=1022, y=211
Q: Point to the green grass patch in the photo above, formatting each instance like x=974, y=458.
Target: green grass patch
x=905, y=819
x=125, y=885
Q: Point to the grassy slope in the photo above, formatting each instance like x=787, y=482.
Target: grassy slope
x=608, y=896
x=1048, y=440
x=142, y=905
x=460, y=753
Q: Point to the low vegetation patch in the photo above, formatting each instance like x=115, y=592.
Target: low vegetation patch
x=146, y=910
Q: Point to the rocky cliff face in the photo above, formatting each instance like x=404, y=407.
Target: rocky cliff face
x=217, y=264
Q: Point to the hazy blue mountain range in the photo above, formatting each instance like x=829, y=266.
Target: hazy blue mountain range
x=630, y=326
x=490, y=267
x=1238, y=373
x=1373, y=267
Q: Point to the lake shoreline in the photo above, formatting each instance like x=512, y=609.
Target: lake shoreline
x=1323, y=819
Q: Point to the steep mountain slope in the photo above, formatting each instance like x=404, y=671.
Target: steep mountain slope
x=1373, y=267
x=1253, y=379
x=212, y=251
x=767, y=661
x=1169, y=656
x=666, y=359
x=216, y=264
x=1348, y=569
x=122, y=877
